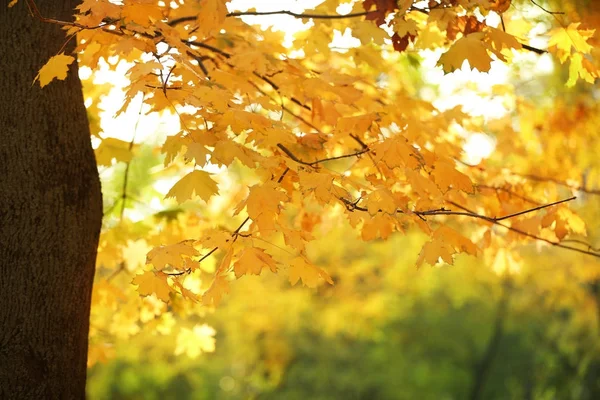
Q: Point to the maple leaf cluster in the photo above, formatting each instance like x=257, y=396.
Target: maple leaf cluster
x=315, y=134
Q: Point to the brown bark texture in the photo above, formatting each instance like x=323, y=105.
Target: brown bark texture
x=50, y=212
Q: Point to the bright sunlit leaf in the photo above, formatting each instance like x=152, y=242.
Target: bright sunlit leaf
x=56, y=68
x=197, y=183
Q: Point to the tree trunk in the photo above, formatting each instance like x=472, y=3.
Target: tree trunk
x=50, y=212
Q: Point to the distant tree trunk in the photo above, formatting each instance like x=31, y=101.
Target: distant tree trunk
x=50, y=212
x=483, y=367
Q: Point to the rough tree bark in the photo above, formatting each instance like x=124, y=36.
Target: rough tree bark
x=50, y=212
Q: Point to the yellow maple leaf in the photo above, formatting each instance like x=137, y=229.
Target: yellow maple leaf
x=171, y=255
x=308, y=273
x=455, y=239
x=198, y=152
x=252, y=261
x=471, y=48
x=381, y=225
x=581, y=68
x=395, y=152
x=574, y=221
x=434, y=250
x=263, y=204
x=212, y=238
x=211, y=16
x=320, y=184
x=226, y=151
x=185, y=293
x=215, y=292
x=357, y=124
x=500, y=40
x=129, y=44
x=220, y=285
x=430, y=37
x=240, y=120
x=423, y=186
x=153, y=283
x=563, y=40
x=367, y=32
x=56, y=67
x=196, y=182
x=111, y=148
x=172, y=147
x=444, y=244
x=381, y=200
x=446, y=177
x=143, y=13
x=296, y=238
x=404, y=26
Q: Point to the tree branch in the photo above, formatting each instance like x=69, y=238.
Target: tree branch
x=313, y=163
x=300, y=15
x=286, y=109
x=353, y=206
x=234, y=235
x=545, y=10
x=579, y=188
x=541, y=239
x=533, y=209
x=207, y=47
x=510, y=192
x=191, y=18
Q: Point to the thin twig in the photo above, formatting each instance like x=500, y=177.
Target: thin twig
x=533, y=209
x=35, y=12
x=530, y=235
x=583, y=243
x=545, y=10
x=116, y=272
x=287, y=109
x=191, y=18
x=351, y=206
x=313, y=163
x=207, y=47
x=276, y=87
x=510, y=192
x=579, y=188
x=235, y=234
x=533, y=49
x=300, y=15
x=283, y=175
x=126, y=176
